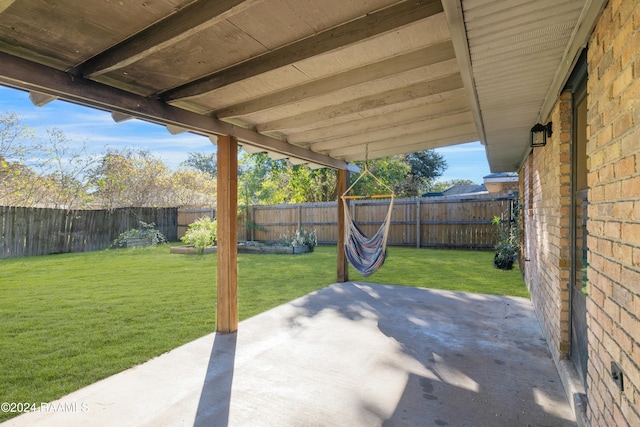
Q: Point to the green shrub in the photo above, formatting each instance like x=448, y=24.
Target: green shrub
x=301, y=238
x=508, y=246
x=146, y=232
x=202, y=234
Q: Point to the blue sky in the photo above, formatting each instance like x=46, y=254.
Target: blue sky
x=98, y=130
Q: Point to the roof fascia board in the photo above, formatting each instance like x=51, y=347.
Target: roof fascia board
x=579, y=39
x=457, y=28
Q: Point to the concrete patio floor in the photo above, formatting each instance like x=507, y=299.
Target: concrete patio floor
x=351, y=354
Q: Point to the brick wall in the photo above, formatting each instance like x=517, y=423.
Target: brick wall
x=613, y=150
x=545, y=187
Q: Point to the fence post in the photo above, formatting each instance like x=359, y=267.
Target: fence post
x=253, y=223
x=418, y=215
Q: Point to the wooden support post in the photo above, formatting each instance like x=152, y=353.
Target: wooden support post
x=343, y=271
x=227, y=308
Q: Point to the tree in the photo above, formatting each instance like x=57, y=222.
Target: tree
x=67, y=170
x=261, y=180
x=191, y=188
x=126, y=178
x=206, y=163
x=409, y=175
x=48, y=172
x=426, y=164
x=425, y=167
x=266, y=181
x=312, y=185
x=391, y=171
x=58, y=172
x=18, y=184
x=12, y=137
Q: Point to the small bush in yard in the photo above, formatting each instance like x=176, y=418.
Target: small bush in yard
x=146, y=232
x=202, y=234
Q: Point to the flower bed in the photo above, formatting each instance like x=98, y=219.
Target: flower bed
x=247, y=248
x=190, y=249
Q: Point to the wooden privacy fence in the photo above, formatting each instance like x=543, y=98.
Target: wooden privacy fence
x=421, y=222
x=187, y=216
x=40, y=231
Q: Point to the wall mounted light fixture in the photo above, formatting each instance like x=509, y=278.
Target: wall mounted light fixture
x=540, y=133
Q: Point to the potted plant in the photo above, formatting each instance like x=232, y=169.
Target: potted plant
x=508, y=243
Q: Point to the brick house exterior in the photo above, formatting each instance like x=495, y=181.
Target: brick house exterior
x=553, y=213
x=545, y=179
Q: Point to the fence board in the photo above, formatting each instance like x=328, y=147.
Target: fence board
x=187, y=216
x=423, y=222
x=41, y=231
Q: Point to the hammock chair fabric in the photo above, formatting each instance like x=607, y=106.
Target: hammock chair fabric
x=365, y=254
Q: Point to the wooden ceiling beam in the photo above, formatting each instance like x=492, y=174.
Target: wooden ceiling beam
x=395, y=146
x=328, y=114
x=22, y=74
x=184, y=23
x=424, y=127
x=368, y=26
x=434, y=54
x=353, y=127
x=409, y=138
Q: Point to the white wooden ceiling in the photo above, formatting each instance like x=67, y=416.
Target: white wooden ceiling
x=318, y=81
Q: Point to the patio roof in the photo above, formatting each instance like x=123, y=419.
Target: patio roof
x=316, y=82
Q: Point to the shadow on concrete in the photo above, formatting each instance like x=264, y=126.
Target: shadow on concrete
x=353, y=354
x=482, y=359
x=215, y=398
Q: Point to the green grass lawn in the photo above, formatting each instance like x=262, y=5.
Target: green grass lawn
x=468, y=271
x=70, y=320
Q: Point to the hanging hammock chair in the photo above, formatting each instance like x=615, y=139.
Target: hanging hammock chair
x=366, y=254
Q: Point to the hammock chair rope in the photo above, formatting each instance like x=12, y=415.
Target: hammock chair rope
x=366, y=254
